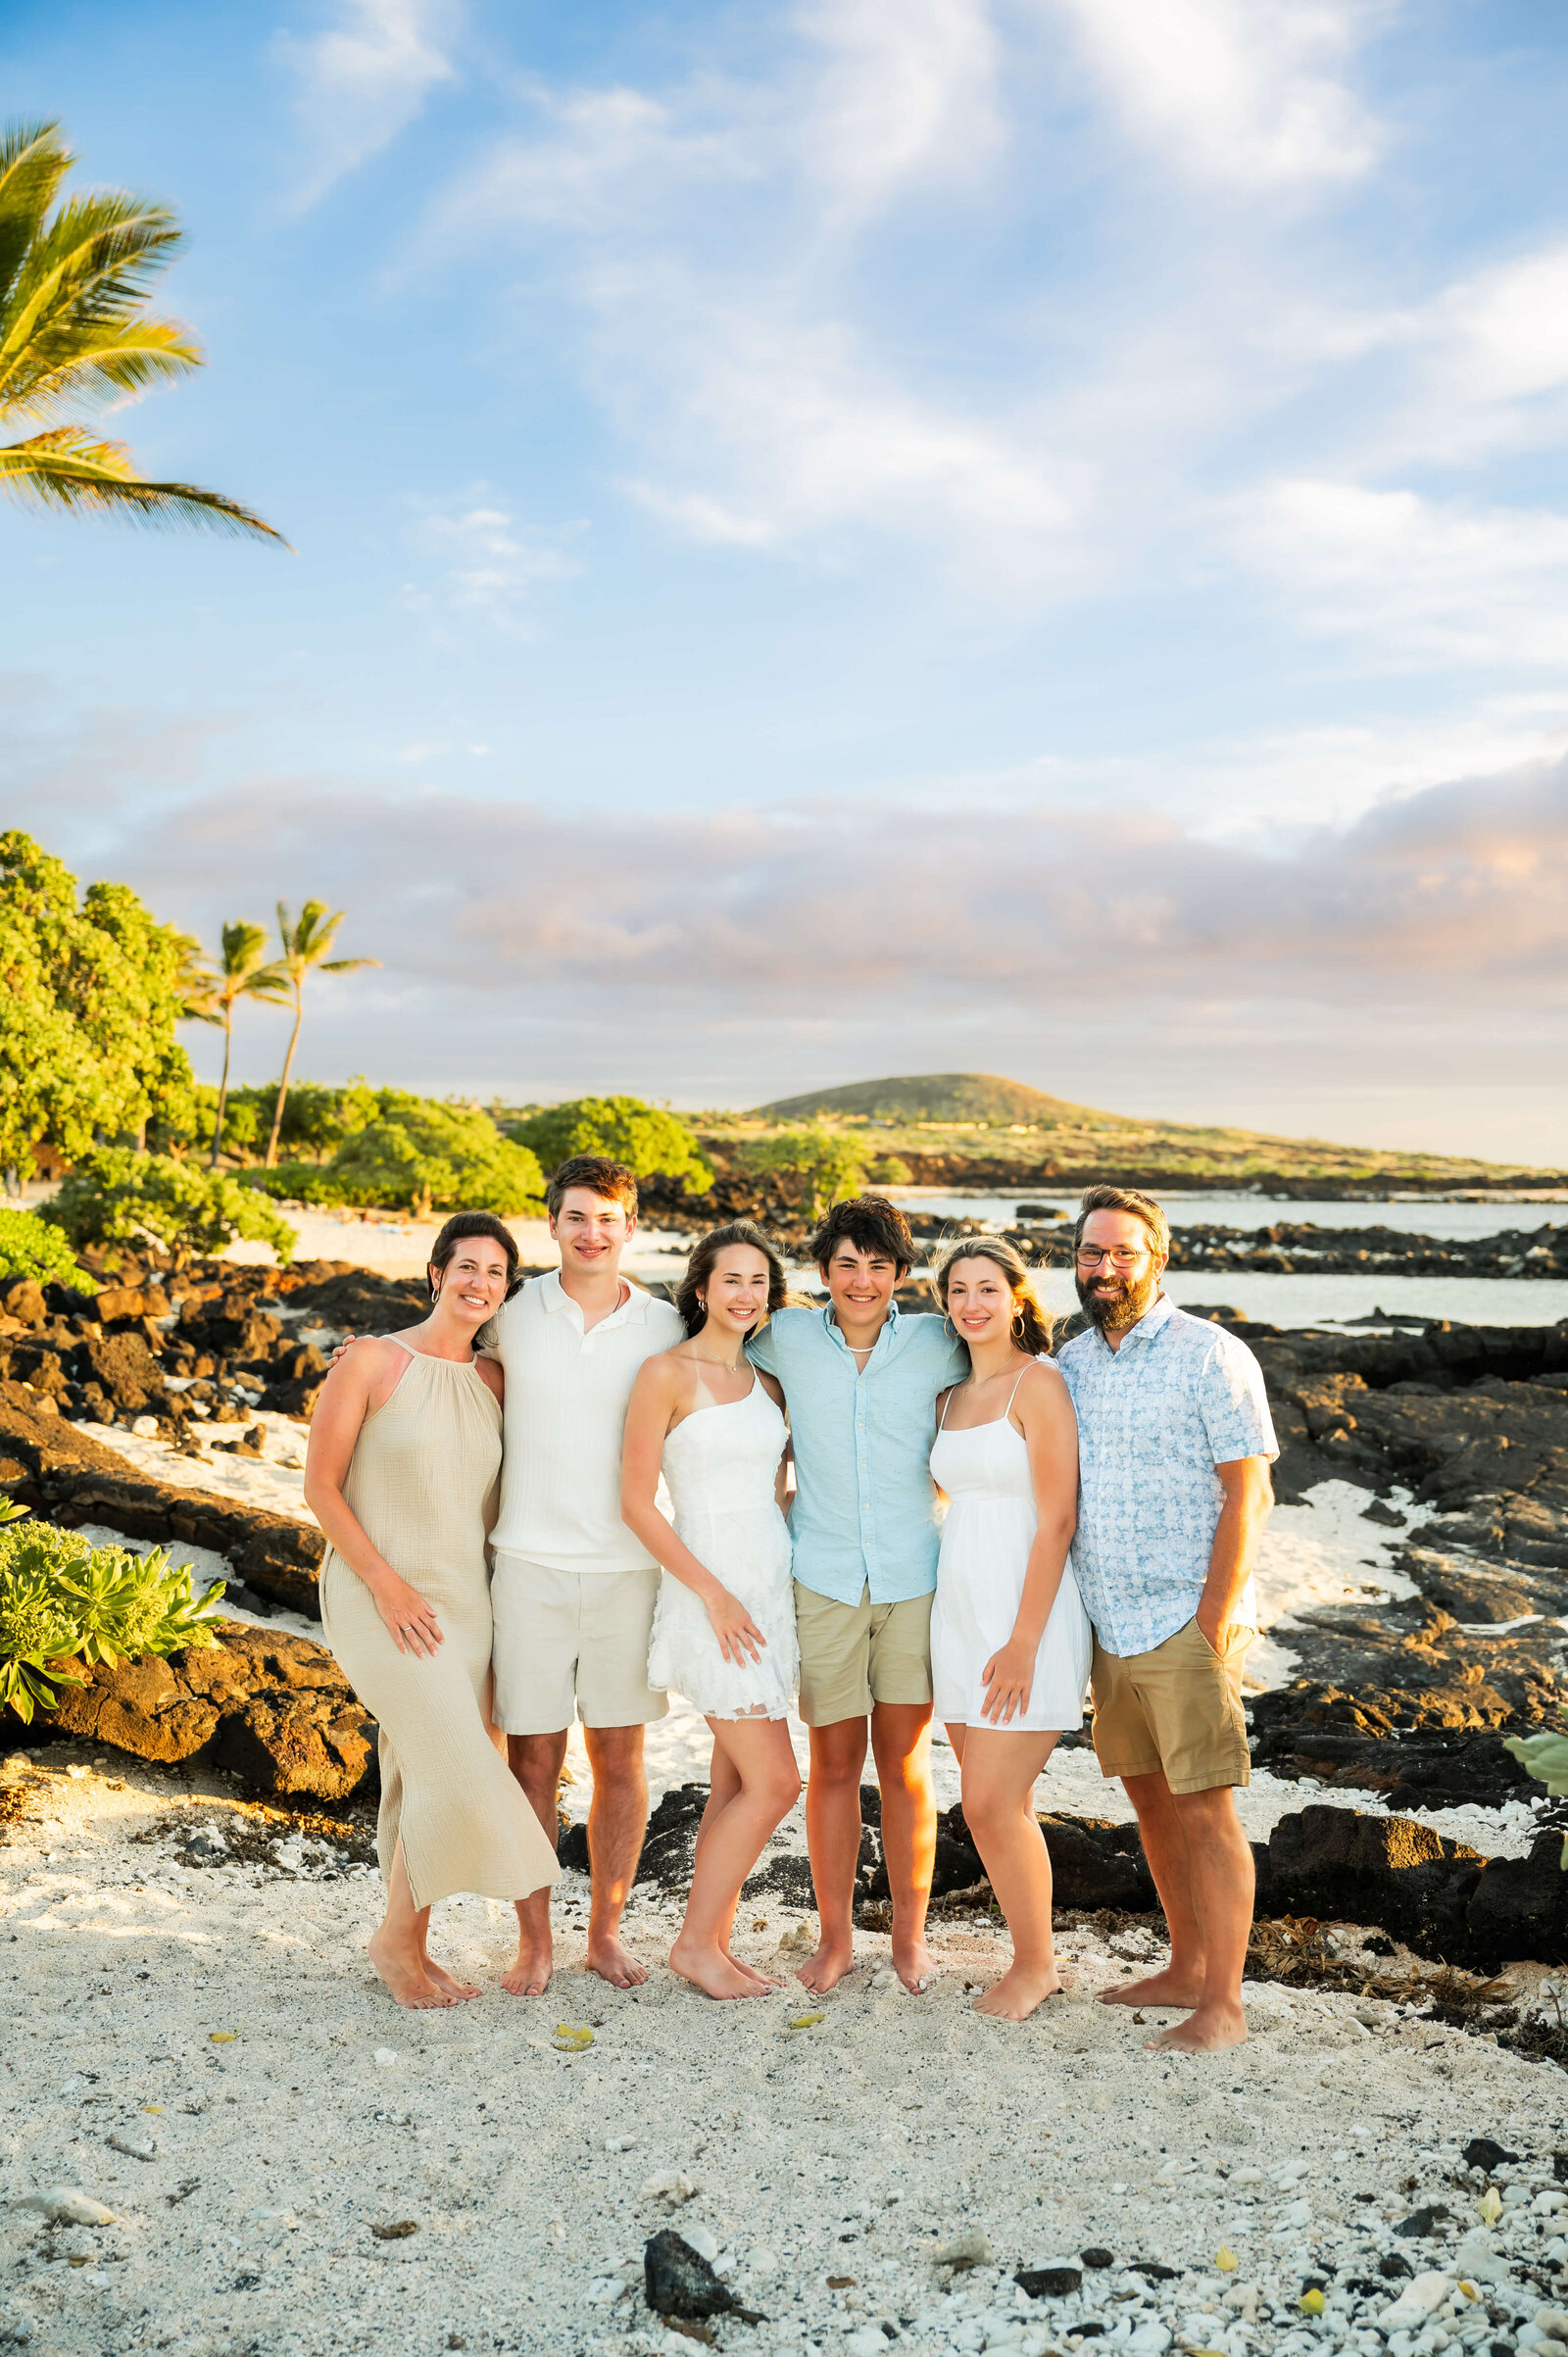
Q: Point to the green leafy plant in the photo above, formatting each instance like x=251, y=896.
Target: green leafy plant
x=438, y=1158
x=306, y=941
x=31, y=1247
x=64, y=1601
x=890, y=1170
x=1546, y=1756
x=117, y=1196
x=648, y=1139
x=813, y=1164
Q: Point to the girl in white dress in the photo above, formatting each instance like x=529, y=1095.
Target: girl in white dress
x=724, y=1626
x=1009, y=1639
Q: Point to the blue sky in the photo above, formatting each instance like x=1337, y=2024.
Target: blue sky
x=847, y=538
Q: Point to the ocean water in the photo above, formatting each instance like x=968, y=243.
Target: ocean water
x=1410, y=1216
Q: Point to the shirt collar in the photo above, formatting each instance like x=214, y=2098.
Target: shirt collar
x=555, y=1299
x=835, y=1333
x=1152, y=1319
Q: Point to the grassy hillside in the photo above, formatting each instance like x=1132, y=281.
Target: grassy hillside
x=965, y=1124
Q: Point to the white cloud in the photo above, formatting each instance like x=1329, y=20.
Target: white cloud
x=1245, y=93
x=362, y=79
x=909, y=95
x=489, y=565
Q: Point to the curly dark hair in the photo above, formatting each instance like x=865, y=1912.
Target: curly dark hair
x=1032, y=1326
x=871, y=1224
x=700, y=1267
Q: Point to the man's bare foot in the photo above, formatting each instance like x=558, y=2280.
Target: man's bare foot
x=529, y=1976
x=1161, y=1989
x=615, y=1962
x=444, y=1979
x=1208, y=2031
x=826, y=1967
x=712, y=1972
x=912, y=1961
x=404, y=1977
x=1019, y=1991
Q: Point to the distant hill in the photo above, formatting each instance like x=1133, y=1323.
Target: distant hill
x=979, y=1097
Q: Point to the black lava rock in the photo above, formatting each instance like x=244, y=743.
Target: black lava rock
x=1048, y=2282
x=1481, y=2153
x=679, y=2282
x=1423, y=2222
x=1392, y=2265
x=1096, y=2256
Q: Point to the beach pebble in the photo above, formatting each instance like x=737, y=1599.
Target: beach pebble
x=869, y=2341
x=679, y=2282
x=1296, y=2213
x=1421, y=2296
x=385, y=2056
x=138, y=2148
x=67, y=2205
x=620, y=2143
x=674, y=2186
x=971, y=2249
x=700, y=2239
x=1554, y=2322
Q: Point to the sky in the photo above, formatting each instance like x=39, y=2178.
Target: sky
x=858, y=537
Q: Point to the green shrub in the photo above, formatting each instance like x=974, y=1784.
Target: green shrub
x=1545, y=1756
x=31, y=1247
x=301, y=1182
x=651, y=1141
x=118, y=1197
x=815, y=1167
x=890, y=1170
x=64, y=1601
x=438, y=1158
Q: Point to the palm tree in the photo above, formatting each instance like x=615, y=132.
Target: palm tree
x=242, y=973
x=304, y=946
x=74, y=332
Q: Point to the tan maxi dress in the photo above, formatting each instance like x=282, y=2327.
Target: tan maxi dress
x=424, y=1484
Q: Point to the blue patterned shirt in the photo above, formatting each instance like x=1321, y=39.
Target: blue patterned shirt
x=1154, y=1418
x=864, y=1511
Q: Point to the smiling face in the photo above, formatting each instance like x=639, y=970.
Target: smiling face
x=591, y=1231
x=859, y=1285
x=474, y=1283
x=1118, y=1271
x=736, y=1292
x=979, y=1300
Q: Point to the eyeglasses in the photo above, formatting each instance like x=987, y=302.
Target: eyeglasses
x=1122, y=1255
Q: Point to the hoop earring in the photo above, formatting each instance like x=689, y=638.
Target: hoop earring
x=435, y=1291
x=1017, y=1324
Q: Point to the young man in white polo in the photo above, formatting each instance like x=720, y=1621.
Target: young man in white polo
x=573, y=1592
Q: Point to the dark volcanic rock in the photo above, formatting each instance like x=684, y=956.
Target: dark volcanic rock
x=274, y=1708
x=678, y=2281
x=126, y=1371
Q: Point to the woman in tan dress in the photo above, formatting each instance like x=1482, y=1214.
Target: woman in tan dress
x=403, y=1476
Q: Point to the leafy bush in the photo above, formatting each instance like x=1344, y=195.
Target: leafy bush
x=64, y=1601
x=438, y=1158
x=890, y=1170
x=645, y=1136
x=1545, y=1756
x=317, y=1118
x=302, y=1183
x=31, y=1247
x=117, y=1197
x=815, y=1167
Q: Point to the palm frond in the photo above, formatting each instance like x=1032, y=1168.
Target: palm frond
x=346, y=965
x=33, y=161
x=93, y=265
x=65, y=467
x=95, y=361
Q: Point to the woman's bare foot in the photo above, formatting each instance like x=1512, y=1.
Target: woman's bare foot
x=529, y=1976
x=711, y=1971
x=1019, y=1991
x=912, y=1961
x=1161, y=1989
x=615, y=1962
x=751, y=1972
x=403, y=1973
x=1206, y=2031
x=826, y=1967
x=444, y=1979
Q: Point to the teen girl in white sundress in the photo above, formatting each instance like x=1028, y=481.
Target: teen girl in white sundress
x=724, y=1626
x=1010, y=1642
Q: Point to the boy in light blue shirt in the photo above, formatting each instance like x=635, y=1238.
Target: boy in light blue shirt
x=861, y=1382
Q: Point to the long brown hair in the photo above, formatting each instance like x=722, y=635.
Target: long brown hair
x=1032, y=1326
x=700, y=1267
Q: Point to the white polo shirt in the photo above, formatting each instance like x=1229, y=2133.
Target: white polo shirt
x=567, y=1392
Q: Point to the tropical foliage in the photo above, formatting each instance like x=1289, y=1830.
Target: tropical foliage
x=65, y=1602
x=92, y=990
x=243, y=971
x=645, y=1136
x=307, y=940
x=31, y=1247
x=117, y=1196
x=812, y=1166
x=438, y=1158
x=1545, y=1756
x=75, y=335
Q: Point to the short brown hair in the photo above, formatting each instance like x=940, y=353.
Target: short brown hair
x=700, y=1267
x=872, y=1225
x=1126, y=1199
x=611, y=1181
x=1032, y=1326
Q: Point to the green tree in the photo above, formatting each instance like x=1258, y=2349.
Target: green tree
x=316, y=1117
x=244, y=971
x=117, y=1196
x=89, y=999
x=31, y=1247
x=305, y=943
x=75, y=333
x=813, y=1164
x=650, y=1141
x=438, y=1158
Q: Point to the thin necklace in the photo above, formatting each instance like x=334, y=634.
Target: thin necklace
x=707, y=1359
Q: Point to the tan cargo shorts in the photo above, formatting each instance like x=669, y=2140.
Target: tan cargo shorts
x=571, y=1644
x=1176, y=1709
x=853, y=1655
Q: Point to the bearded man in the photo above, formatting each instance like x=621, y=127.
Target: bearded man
x=1175, y=1441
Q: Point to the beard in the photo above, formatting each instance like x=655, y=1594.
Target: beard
x=1121, y=1302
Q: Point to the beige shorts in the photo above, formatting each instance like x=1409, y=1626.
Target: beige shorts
x=853, y=1655
x=1178, y=1708
x=571, y=1644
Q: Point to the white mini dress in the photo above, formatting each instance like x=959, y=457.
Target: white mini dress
x=719, y=1467
x=986, y=1541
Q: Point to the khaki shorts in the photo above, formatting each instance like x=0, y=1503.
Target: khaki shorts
x=1178, y=1708
x=571, y=1644
x=853, y=1655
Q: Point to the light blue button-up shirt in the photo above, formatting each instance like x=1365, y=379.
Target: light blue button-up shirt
x=1155, y=1416
x=864, y=1511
